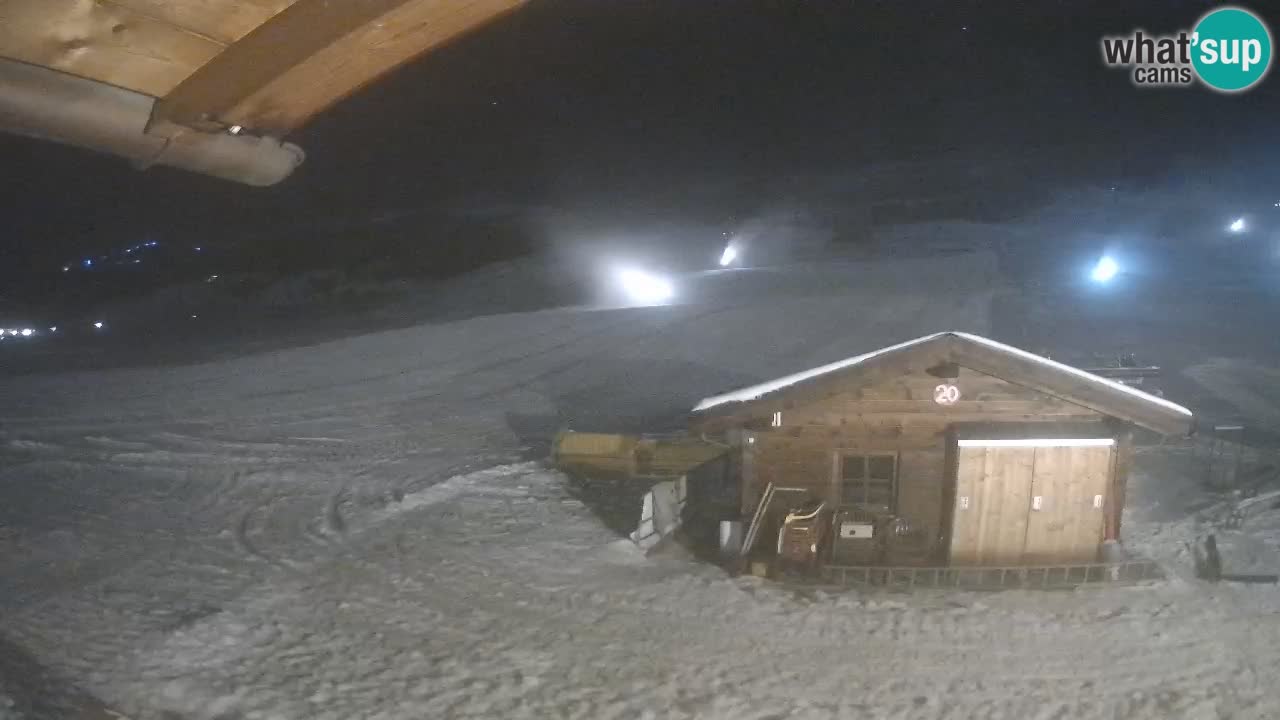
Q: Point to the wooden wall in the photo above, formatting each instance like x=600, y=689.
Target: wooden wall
x=897, y=416
x=811, y=462
x=907, y=401
x=921, y=487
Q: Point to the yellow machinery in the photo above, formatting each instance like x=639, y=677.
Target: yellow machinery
x=633, y=455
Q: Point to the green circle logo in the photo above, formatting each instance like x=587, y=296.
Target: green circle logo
x=1231, y=49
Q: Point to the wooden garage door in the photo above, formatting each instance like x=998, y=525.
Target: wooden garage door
x=1071, y=483
x=1020, y=504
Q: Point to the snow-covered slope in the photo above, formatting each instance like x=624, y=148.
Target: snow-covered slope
x=350, y=530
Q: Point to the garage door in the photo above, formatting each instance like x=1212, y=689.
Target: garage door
x=1030, y=502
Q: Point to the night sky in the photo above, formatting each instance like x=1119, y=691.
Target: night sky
x=570, y=101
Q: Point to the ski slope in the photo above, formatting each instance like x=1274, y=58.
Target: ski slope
x=356, y=529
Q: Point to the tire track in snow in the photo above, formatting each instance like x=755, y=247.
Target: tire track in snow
x=598, y=637
x=333, y=513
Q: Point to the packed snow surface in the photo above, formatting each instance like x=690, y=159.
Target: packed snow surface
x=356, y=530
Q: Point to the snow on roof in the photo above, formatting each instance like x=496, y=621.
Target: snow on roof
x=1112, y=384
x=756, y=391
x=764, y=388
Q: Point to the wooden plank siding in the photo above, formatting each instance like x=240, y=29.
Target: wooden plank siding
x=922, y=481
x=1119, y=487
x=265, y=65
x=1067, y=527
x=225, y=21
x=787, y=462
x=1036, y=376
x=899, y=416
x=975, y=501
x=992, y=530
x=103, y=41
x=1053, y=385
x=313, y=54
x=996, y=522
x=982, y=397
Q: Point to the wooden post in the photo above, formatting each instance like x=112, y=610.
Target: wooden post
x=1119, y=484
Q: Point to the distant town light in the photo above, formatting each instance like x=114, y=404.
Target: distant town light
x=1238, y=225
x=26, y=332
x=53, y=328
x=97, y=325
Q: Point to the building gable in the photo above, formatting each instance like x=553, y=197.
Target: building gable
x=909, y=399
x=1056, y=388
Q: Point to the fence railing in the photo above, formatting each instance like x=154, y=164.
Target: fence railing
x=1022, y=576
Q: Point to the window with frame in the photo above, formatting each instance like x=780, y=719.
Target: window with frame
x=869, y=482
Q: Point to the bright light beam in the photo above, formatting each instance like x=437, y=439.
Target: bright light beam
x=645, y=289
x=1105, y=270
x=729, y=255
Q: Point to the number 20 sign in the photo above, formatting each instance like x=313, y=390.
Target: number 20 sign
x=946, y=394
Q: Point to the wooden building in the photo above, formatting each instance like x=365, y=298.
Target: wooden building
x=950, y=449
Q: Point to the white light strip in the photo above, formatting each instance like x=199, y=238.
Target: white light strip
x=755, y=391
x=1040, y=442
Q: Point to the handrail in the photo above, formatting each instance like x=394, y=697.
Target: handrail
x=754, y=529
x=1025, y=576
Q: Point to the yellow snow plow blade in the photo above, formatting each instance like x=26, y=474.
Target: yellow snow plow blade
x=633, y=455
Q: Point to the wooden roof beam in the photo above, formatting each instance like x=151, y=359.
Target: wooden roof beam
x=311, y=55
